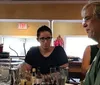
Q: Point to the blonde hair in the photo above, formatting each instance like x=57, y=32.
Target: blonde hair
x=96, y=9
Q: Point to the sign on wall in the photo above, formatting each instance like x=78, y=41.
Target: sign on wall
x=22, y=25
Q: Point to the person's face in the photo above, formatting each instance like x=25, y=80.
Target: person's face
x=45, y=39
x=91, y=24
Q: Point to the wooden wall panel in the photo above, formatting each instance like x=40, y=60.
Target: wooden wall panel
x=66, y=28
x=40, y=11
x=11, y=28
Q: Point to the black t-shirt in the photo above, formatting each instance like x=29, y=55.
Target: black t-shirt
x=57, y=58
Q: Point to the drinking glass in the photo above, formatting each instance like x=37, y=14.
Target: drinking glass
x=63, y=74
x=53, y=75
x=5, y=78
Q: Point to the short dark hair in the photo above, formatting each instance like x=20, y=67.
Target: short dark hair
x=43, y=28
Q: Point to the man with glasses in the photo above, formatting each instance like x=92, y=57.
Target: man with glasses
x=91, y=23
x=45, y=56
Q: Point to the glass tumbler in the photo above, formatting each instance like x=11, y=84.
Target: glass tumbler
x=53, y=75
x=5, y=77
x=62, y=76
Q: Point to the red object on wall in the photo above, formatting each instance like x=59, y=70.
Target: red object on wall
x=59, y=41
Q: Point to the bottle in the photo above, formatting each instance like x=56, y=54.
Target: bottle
x=55, y=82
x=43, y=82
x=33, y=76
x=38, y=77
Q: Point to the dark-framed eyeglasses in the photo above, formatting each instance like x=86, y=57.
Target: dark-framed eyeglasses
x=43, y=39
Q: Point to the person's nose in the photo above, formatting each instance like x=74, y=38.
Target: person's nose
x=45, y=40
x=84, y=24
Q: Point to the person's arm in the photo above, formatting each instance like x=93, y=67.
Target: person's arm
x=62, y=59
x=65, y=65
x=29, y=59
x=86, y=60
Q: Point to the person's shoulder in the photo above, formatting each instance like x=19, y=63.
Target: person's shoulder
x=58, y=47
x=33, y=48
x=88, y=47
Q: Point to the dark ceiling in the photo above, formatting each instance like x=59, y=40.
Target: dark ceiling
x=49, y=1
x=44, y=0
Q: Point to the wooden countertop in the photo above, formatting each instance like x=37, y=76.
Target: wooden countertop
x=75, y=66
x=75, y=69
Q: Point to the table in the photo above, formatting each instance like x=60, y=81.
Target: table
x=11, y=61
x=75, y=69
x=69, y=84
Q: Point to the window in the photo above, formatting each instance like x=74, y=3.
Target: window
x=75, y=45
x=18, y=46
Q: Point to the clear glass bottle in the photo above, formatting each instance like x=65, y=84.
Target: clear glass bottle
x=33, y=76
x=38, y=77
x=63, y=75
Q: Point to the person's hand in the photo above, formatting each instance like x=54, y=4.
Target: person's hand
x=25, y=71
x=26, y=67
